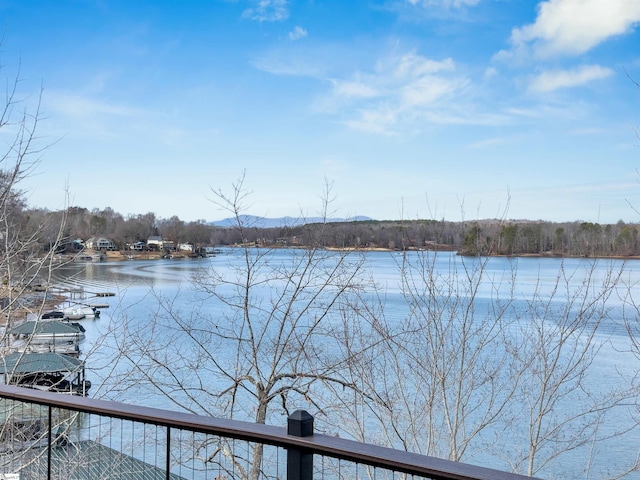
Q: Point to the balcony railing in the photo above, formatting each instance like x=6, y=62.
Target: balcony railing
x=50, y=435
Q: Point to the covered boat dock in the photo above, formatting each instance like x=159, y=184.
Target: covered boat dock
x=51, y=330
x=54, y=372
x=51, y=336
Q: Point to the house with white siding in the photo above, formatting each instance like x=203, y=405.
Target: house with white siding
x=155, y=242
x=100, y=243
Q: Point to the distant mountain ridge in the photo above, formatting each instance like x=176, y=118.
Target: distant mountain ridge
x=262, y=222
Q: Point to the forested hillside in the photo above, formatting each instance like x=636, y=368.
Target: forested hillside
x=484, y=237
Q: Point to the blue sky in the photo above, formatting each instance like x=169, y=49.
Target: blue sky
x=456, y=109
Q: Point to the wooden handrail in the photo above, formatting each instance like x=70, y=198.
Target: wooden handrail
x=373, y=455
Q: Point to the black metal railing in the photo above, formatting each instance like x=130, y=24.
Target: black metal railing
x=52, y=435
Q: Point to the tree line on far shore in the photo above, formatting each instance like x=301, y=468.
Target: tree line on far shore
x=479, y=237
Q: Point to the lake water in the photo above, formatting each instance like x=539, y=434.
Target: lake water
x=139, y=284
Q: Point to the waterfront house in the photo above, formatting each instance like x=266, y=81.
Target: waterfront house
x=156, y=242
x=185, y=247
x=100, y=243
x=138, y=246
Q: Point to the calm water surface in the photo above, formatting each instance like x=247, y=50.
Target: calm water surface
x=138, y=283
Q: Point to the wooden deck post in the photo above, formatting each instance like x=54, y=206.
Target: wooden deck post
x=299, y=460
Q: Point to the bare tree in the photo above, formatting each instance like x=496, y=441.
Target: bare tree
x=482, y=370
x=264, y=349
x=442, y=375
x=558, y=338
x=25, y=256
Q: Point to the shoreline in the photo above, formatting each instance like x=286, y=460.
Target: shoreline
x=458, y=252
x=125, y=255
x=119, y=256
x=28, y=301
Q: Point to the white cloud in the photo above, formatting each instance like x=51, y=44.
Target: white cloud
x=444, y=3
x=555, y=79
x=572, y=27
x=355, y=89
x=489, y=142
x=379, y=121
x=86, y=115
x=425, y=91
x=83, y=107
x=409, y=76
x=297, y=33
x=267, y=11
x=414, y=66
x=403, y=93
x=287, y=63
x=490, y=72
x=398, y=91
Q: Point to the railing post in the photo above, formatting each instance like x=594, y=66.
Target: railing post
x=167, y=464
x=299, y=460
x=49, y=441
